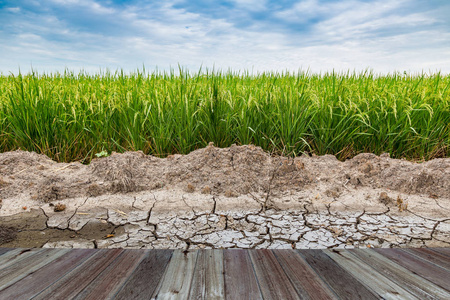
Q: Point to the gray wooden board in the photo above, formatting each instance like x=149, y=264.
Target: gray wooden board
x=419, y=266
x=23, y=267
x=208, y=280
x=144, y=280
x=273, y=281
x=416, y=284
x=4, y=250
x=378, y=283
x=343, y=283
x=304, y=279
x=177, y=279
x=106, y=285
x=14, y=256
x=240, y=278
x=81, y=276
x=42, y=278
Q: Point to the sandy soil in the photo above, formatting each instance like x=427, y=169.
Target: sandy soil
x=47, y=203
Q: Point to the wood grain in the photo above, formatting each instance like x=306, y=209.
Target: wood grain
x=445, y=251
x=80, y=277
x=378, y=283
x=177, y=279
x=304, y=279
x=273, y=281
x=4, y=250
x=106, y=285
x=208, y=280
x=240, y=278
x=417, y=285
x=434, y=257
x=23, y=267
x=147, y=276
x=47, y=275
x=343, y=283
x=419, y=266
x=14, y=256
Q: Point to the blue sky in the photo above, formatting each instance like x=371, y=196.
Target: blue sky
x=319, y=35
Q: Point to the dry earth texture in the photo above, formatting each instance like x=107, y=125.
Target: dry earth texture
x=223, y=198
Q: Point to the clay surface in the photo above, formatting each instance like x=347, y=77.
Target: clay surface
x=234, y=197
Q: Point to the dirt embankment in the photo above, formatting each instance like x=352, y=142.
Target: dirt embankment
x=233, y=197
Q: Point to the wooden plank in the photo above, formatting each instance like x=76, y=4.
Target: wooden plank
x=273, y=281
x=304, y=279
x=4, y=250
x=81, y=276
x=208, y=280
x=240, y=278
x=419, y=266
x=378, y=283
x=23, y=267
x=109, y=282
x=177, y=279
x=445, y=251
x=145, y=279
x=42, y=278
x=419, y=286
x=14, y=256
x=343, y=283
x=436, y=258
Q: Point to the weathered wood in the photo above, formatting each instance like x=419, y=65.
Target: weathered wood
x=4, y=250
x=81, y=276
x=240, y=278
x=343, y=283
x=419, y=266
x=177, y=279
x=23, y=267
x=208, y=280
x=436, y=258
x=145, y=279
x=273, y=281
x=445, y=251
x=13, y=256
x=106, y=285
x=417, y=285
x=42, y=278
x=304, y=279
x=378, y=283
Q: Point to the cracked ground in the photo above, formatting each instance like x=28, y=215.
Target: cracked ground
x=236, y=197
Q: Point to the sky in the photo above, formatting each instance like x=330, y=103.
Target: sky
x=318, y=36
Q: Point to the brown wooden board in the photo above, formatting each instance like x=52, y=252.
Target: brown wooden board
x=240, y=278
x=177, y=279
x=418, y=286
x=434, y=257
x=42, y=278
x=378, y=283
x=80, y=277
x=105, y=285
x=445, y=251
x=208, y=280
x=304, y=279
x=4, y=250
x=273, y=281
x=23, y=267
x=145, y=279
x=343, y=283
x=418, y=266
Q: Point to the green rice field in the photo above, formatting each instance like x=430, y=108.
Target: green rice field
x=72, y=117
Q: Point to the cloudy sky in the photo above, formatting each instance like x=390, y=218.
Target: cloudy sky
x=319, y=35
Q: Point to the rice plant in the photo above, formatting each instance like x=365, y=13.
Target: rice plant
x=72, y=116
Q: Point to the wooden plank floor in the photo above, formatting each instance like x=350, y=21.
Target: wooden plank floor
x=224, y=274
